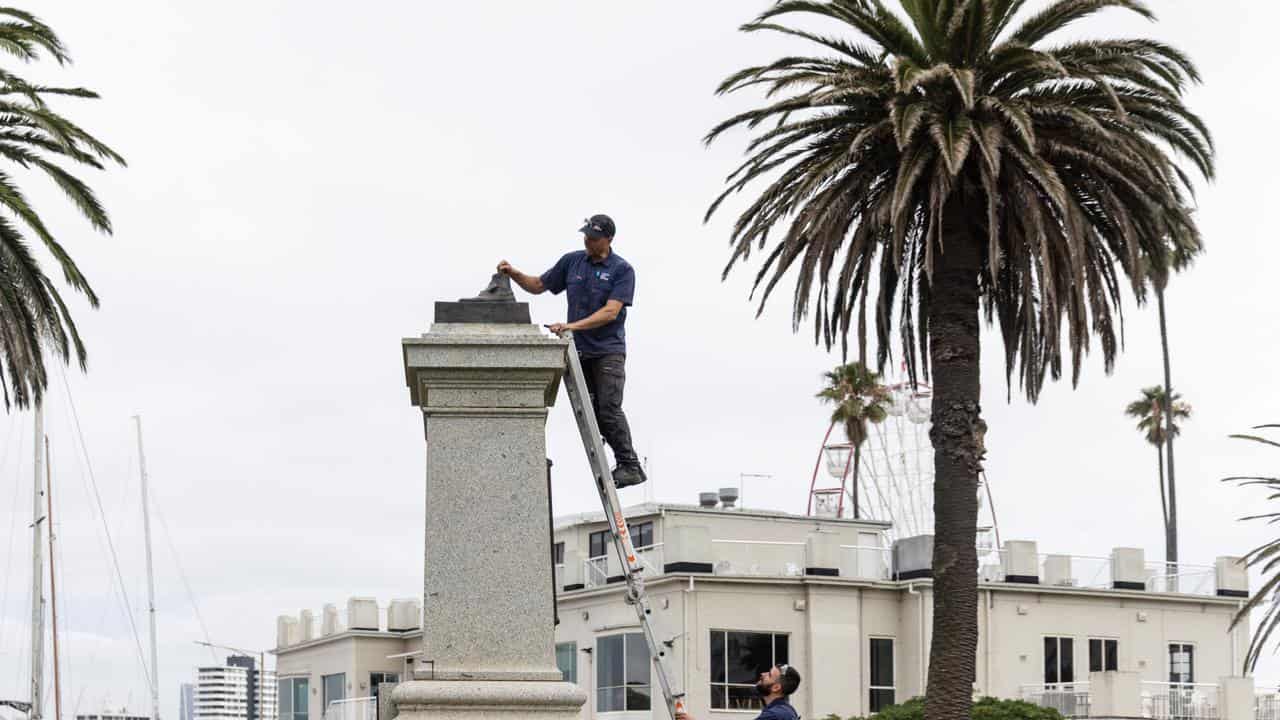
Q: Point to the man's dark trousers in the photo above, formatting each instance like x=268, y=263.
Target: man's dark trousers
x=606, y=375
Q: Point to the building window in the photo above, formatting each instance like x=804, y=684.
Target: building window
x=334, y=688
x=557, y=554
x=642, y=535
x=376, y=679
x=598, y=544
x=292, y=695
x=1182, y=663
x=881, y=685
x=1104, y=655
x=567, y=660
x=622, y=673
x=737, y=659
x=1059, y=660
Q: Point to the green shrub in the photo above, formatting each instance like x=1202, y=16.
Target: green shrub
x=987, y=708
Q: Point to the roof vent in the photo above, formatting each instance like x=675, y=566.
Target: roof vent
x=728, y=497
x=708, y=499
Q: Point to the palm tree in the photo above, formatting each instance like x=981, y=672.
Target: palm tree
x=860, y=398
x=959, y=163
x=1158, y=427
x=1158, y=274
x=33, y=315
x=1268, y=556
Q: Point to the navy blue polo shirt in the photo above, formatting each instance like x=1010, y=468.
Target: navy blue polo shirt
x=592, y=283
x=779, y=709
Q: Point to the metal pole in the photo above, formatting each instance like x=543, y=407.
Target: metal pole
x=37, y=574
x=53, y=589
x=151, y=581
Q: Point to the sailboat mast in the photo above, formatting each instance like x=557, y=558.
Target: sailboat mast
x=53, y=590
x=37, y=573
x=151, y=581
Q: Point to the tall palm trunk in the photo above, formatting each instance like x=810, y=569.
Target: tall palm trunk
x=1164, y=504
x=953, y=355
x=857, y=461
x=1171, y=527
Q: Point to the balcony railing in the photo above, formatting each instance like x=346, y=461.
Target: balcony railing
x=1069, y=699
x=1179, y=701
x=1266, y=704
x=1089, y=571
x=1159, y=700
x=767, y=558
x=596, y=571
x=866, y=562
x=362, y=708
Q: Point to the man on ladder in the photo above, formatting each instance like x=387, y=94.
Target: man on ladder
x=600, y=286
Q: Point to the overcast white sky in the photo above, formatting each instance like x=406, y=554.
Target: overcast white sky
x=305, y=179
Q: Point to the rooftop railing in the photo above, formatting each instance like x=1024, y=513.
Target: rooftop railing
x=774, y=558
x=361, y=708
x=1094, y=572
x=1159, y=700
x=1069, y=699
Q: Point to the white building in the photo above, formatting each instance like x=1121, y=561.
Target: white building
x=231, y=691
x=187, y=701
x=735, y=591
x=121, y=714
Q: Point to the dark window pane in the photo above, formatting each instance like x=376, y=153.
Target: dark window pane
x=743, y=698
x=609, y=661
x=642, y=535
x=1050, y=660
x=638, y=698
x=597, y=544
x=557, y=553
x=567, y=661
x=881, y=699
x=637, y=660
x=749, y=654
x=1095, y=656
x=609, y=700
x=881, y=662
x=717, y=657
x=284, y=691
x=781, y=655
x=1067, y=651
x=301, y=695
x=718, y=697
x=1112, y=661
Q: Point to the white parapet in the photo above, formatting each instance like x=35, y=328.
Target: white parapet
x=1021, y=562
x=362, y=613
x=1236, y=700
x=1115, y=694
x=1232, y=577
x=329, y=621
x=286, y=631
x=306, y=626
x=404, y=615
x=1128, y=569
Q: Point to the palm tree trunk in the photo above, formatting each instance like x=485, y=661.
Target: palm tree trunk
x=857, y=461
x=1164, y=504
x=1171, y=527
x=953, y=355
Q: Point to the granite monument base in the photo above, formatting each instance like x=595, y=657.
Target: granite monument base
x=488, y=700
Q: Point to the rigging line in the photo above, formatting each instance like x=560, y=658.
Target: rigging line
x=13, y=522
x=75, y=416
x=164, y=527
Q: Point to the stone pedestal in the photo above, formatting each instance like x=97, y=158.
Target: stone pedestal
x=488, y=634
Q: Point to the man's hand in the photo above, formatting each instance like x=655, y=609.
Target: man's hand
x=559, y=328
x=529, y=283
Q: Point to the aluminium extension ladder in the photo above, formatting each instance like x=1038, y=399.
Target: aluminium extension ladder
x=633, y=570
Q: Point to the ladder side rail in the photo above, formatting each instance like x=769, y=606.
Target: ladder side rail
x=633, y=570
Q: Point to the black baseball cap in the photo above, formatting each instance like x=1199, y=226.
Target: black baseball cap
x=598, y=226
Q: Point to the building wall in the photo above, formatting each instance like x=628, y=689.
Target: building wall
x=353, y=654
x=830, y=624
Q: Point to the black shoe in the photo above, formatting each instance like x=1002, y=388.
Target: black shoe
x=627, y=475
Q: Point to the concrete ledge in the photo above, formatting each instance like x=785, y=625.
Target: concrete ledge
x=487, y=700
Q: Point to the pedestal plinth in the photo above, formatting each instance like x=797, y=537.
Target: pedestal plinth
x=488, y=634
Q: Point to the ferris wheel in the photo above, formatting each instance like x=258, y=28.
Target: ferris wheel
x=894, y=471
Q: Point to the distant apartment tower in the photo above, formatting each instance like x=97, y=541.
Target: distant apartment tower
x=187, y=701
x=231, y=692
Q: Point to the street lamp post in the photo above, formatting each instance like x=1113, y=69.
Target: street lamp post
x=262, y=668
